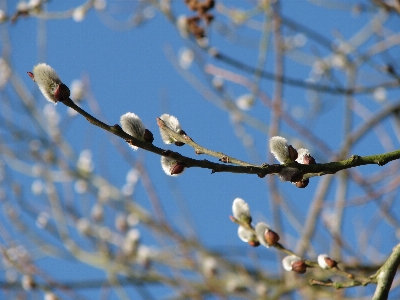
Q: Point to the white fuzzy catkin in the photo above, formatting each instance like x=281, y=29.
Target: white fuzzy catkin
x=261, y=229
x=279, y=148
x=321, y=261
x=47, y=80
x=168, y=164
x=132, y=125
x=288, y=261
x=300, y=155
x=244, y=234
x=241, y=210
x=172, y=123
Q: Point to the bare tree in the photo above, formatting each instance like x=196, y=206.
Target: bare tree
x=339, y=243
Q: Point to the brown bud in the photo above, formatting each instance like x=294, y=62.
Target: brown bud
x=148, y=136
x=30, y=74
x=179, y=144
x=330, y=262
x=271, y=237
x=254, y=243
x=292, y=153
x=62, y=92
x=302, y=184
x=299, y=267
x=308, y=160
x=177, y=168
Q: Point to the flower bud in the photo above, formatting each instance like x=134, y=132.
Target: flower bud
x=292, y=153
x=28, y=283
x=172, y=123
x=148, y=136
x=62, y=92
x=279, y=148
x=304, y=157
x=265, y=235
x=172, y=167
x=49, y=83
x=253, y=243
x=326, y=262
x=132, y=125
x=299, y=267
x=241, y=210
x=302, y=183
x=245, y=235
x=288, y=261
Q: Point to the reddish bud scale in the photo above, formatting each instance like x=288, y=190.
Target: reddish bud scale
x=292, y=153
x=177, y=168
x=30, y=74
x=148, y=136
x=309, y=160
x=299, y=267
x=271, y=237
x=330, y=262
x=62, y=92
x=254, y=243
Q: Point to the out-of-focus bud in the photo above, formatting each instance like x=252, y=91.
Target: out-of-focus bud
x=172, y=167
x=209, y=266
x=50, y=296
x=241, y=210
x=245, y=235
x=28, y=283
x=245, y=102
x=326, y=262
x=97, y=213
x=172, y=123
x=182, y=25
x=299, y=267
x=265, y=235
x=294, y=263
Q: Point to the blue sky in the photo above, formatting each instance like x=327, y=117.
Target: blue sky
x=132, y=70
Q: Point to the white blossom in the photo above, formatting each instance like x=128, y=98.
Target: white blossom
x=301, y=153
x=79, y=14
x=241, y=210
x=182, y=25
x=245, y=102
x=321, y=261
x=288, y=261
x=132, y=125
x=279, y=148
x=380, y=94
x=50, y=296
x=186, y=57
x=172, y=123
x=209, y=266
x=47, y=81
x=77, y=90
x=244, y=234
x=171, y=167
x=27, y=282
x=83, y=226
x=261, y=229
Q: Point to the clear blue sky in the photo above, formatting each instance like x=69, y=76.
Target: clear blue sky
x=131, y=70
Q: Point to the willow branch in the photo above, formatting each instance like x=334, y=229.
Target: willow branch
x=241, y=167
